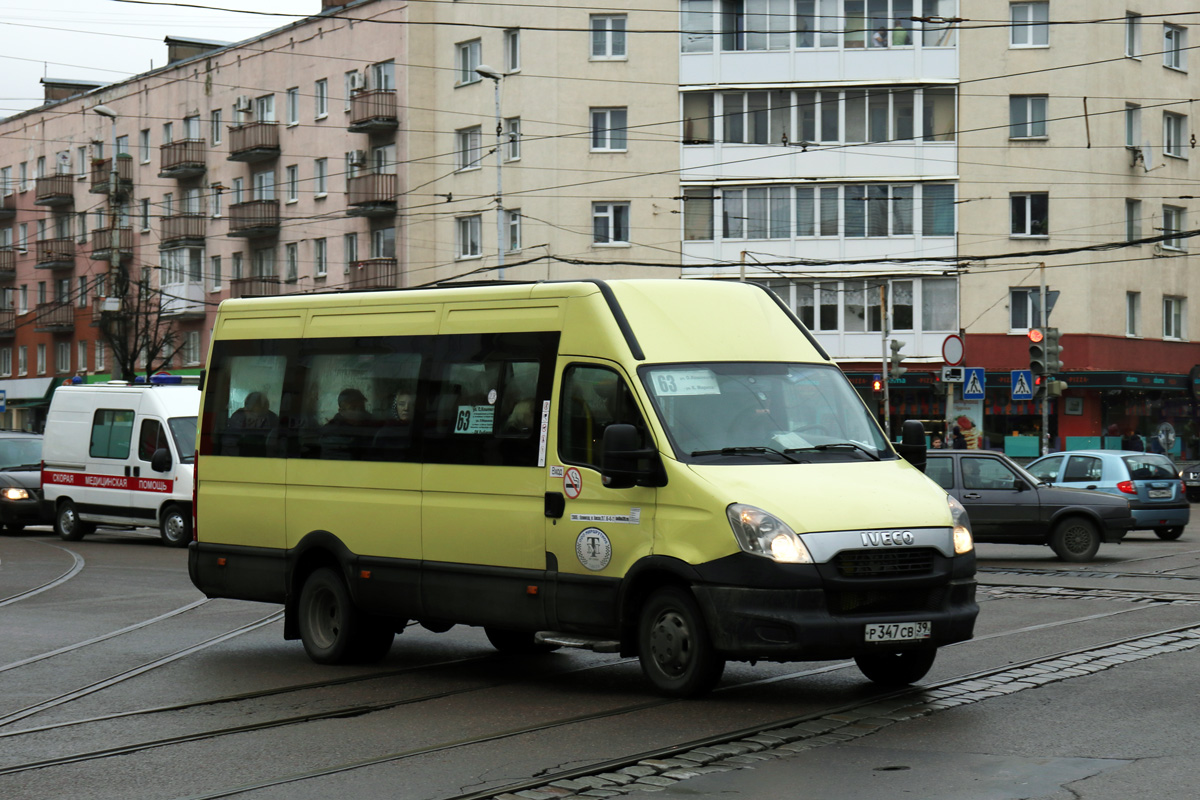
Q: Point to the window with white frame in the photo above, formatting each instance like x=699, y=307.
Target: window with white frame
x=81, y=297
x=512, y=229
x=144, y=145
x=264, y=184
x=1030, y=24
x=1174, y=46
x=236, y=269
x=5, y=361
x=214, y=199
x=512, y=139
x=512, y=50
x=41, y=359
x=468, y=148
x=1174, y=317
x=467, y=59
x=1024, y=309
x=1133, y=34
x=609, y=129
x=191, y=127
x=1133, y=125
x=349, y=251
x=1030, y=214
x=291, y=262
x=7, y=188
x=321, y=98
x=238, y=190
x=939, y=304
x=264, y=108
x=467, y=235
x=262, y=263
x=23, y=360
x=608, y=36
x=818, y=305
x=320, y=178
x=82, y=356
x=1133, y=219
x=610, y=223
x=292, y=177
x=350, y=80
x=1172, y=225
x=1133, y=313
x=320, y=258
x=1174, y=134
x=1027, y=116
x=191, y=348
x=698, y=209
x=383, y=242
x=293, y=106
x=214, y=126
x=62, y=357
x=214, y=273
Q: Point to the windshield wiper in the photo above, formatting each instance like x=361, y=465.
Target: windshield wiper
x=830, y=445
x=22, y=468
x=733, y=451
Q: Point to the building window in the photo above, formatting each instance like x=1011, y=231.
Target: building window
x=608, y=129
x=214, y=273
x=1133, y=34
x=292, y=177
x=191, y=348
x=1174, y=317
x=698, y=208
x=23, y=360
x=512, y=50
x=757, y=213
x=468, y=150
x=349, y=251
x=1024, y=309
x=264, y=108
x=214, y=126
x=1173, y=222
x=1030, y=24
x=512, y=139
x=6, y=361
x=937, y=209
x=468, y=236
x=83, y=356
x=1027, y=116
x=321, y=177
x=62, y=357
x=235, y=267
x=608, y=36
x=610, y=223
x=321, y=98
x=144, y=145
x=1174, y=47
x=351, y=80
x=939, y=304
x=293, y=106
x=41, y=359
x=320, y=258
x=468, y=60
x=1133, y=220
x=215, y=199
x=1133, y=313
x=100, y=357
x=1030, y=214
x=1174, y=134
x=291, y=258
x=512, y=229
x=1133, y=125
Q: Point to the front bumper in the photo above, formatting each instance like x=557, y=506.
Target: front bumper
x=23, y=512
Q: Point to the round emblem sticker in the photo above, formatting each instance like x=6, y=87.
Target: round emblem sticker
x=593, y=549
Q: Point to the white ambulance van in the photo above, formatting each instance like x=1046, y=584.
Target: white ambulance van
x=122, y=453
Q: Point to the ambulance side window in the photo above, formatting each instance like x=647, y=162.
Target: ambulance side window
x=112, y=432
x=592, y=399
x=150, y=438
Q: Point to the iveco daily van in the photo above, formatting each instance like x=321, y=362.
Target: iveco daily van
x=121, y=453
x=669, y=469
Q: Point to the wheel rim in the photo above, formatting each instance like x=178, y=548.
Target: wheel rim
x=671, y=644
x=323, y=619
x=1077, y=539
x=174, y=528
x=66, y=519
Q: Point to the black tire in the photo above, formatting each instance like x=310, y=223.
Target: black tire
x=175, y=527
x=332, y=629
x=674, y=647
x=898, y=668
x=516, y=642
x=1169, y=534
x=68, y=525
x=1075, y=539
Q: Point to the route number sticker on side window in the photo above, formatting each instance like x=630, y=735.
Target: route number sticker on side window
x=681, y=382
x=475, y=419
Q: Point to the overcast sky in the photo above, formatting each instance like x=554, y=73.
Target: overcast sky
x=108, y=41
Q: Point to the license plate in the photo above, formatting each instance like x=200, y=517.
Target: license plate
x=898, y=631
x=1156, y=494
x=1192, y=483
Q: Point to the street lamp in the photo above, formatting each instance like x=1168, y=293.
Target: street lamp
x=114, y=254
x=487, y=72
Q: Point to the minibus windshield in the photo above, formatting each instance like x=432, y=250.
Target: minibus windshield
x=770, y=412
x=183, y=429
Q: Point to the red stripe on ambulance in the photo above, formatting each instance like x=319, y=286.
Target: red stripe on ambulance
x=155, y=485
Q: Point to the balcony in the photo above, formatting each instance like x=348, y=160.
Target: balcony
x=371, y=195
x=102, y=175
x=8, y=206
x=8, y=263
x=102, y=244
x=253, y=141
x=103, y=307
x=54, y=317
x=55, y=254
x=258, y=286
x=183, y=300
x=54, y=190
x=182, y=230
x=8, y=322
x=182, y=159
x=374, y=273
x=254, y=218
x=373, y=111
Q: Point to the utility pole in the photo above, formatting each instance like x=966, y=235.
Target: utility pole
x=115, y=267
x=488, y=72
x=883, y=326
x=1045, y=322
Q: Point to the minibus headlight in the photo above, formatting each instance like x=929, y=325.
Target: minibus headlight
x=963, y=541
x=13, y=493
x=762, y=534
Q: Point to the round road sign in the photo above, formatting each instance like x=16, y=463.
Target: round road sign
x=952, y=350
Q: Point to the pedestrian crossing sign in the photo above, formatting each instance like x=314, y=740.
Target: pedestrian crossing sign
x=973, y=383
x=1022, y=384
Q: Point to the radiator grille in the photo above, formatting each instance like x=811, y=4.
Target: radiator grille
x=885, y=563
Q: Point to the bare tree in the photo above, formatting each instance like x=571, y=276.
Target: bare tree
x=137, y=326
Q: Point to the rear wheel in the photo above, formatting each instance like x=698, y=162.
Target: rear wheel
x=1169, y=534
x=175, y=528
x=516, y=642
x=68, y=525
x=898, y=668
x=676, y=653
x=332, y=629
x=1075, y=539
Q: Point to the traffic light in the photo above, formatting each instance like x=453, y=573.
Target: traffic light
x=1037, y=353
x=1053, y=351
x=877, y=383
x=896, y=370
x=1054, y=389
x=1039, y=387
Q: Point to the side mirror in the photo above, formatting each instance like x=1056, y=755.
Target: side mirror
x=912, y=444
x=1020, y=485
x=624, y=463
x=161, y=460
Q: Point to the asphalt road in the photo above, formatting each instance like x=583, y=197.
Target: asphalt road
x=121, y=681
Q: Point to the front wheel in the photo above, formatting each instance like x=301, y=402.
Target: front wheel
x=676, y=653
x=175, y=528
x=68, y=525
x=1075, y=540
x=332, y=629
x=898, y=668
x=1169, y=534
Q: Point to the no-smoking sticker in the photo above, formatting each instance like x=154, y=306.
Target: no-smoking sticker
x=572, y=483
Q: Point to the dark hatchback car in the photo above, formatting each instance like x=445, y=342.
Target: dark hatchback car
x=21, y=480
x=1007, y=505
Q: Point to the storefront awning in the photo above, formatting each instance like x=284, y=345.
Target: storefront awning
x=26, y=389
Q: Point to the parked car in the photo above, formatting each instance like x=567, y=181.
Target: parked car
x=1149, y=481
x=20, y=480
x=1007, y=505
x=1191, y=482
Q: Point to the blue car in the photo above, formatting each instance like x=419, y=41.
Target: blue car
x=1149, y=481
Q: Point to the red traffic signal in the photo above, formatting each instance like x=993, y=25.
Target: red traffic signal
x=1036, y=335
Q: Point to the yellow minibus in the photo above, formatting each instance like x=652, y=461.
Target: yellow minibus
x=673, y=470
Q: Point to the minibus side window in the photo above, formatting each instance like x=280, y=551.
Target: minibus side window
x=592, y=399
x=244, y=399
x=112, y=432
x=150, y=438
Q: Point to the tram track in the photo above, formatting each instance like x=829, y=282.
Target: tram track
x=75, y=568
